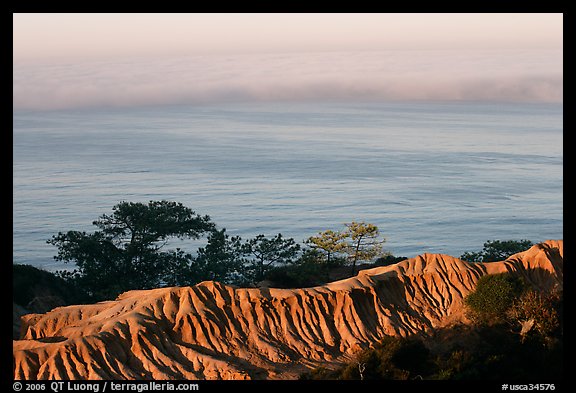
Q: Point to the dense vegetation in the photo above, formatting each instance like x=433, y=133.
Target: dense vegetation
x=127, y=251
x=131, y=250
x=493, y=296
x=29, y=283
x=142, y=246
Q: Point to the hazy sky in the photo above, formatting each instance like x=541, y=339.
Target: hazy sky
x=83, y=60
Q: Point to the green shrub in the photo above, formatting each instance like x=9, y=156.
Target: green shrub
x=493, y=296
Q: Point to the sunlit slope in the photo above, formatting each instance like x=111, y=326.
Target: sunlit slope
x=214, y=331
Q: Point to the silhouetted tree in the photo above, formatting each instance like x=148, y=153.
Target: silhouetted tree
x=262, y=253
x=497, y=250
x=126, y=251
x=221, y=260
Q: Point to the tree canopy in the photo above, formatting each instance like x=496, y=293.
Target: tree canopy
x=364, y=244
x=220, y=260
x=262, y=253
x=497, y=250
x=360, y=241
x=127, y=250
x=131, y=249
x=329, y=242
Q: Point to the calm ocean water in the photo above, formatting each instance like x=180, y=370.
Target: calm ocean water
x=434, y=177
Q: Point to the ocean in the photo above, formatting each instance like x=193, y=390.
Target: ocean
x=435, y=177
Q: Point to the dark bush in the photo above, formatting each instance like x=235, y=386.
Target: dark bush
x=413, y=356
x=307, y=271
x=388, y=260
x=393, y=358
x=29, y=282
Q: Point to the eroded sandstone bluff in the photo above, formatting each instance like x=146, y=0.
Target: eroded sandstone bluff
x=213, y=331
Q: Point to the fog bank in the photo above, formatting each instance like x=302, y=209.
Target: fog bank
x=517, y=76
